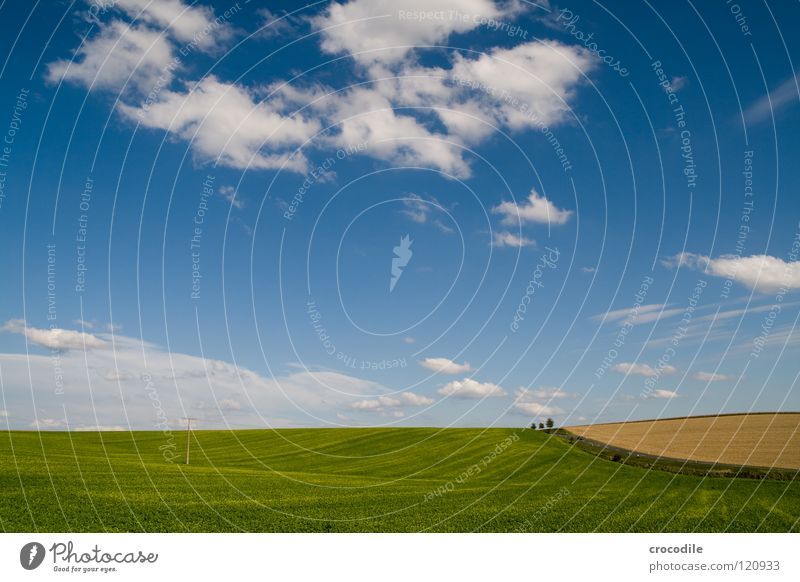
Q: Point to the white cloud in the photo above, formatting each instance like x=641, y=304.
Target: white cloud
x=660, y=393
x=783, y=95
x=224, y=121
x=55, y=338
x=529, y=85
x=413, y=399
x=384, y=31
x=445, y=366
x=469, y=388
x=537, y=209
x=419, y=210
x=275, y=25
x=656, y=315
x=376, y=404
x=762, y=273
x=408, y=340
x=364, y=116
x=389, y=404
x=140, y=54
x=678, y=83
x=643, y=369
x=229, y=194
x=48, y=423
x=119, y=54
x=416, y=208
x=544, y=393
x=98, y=427
x=637, y=316
x=229, y=404
x=187, y=23
x=622, y=314
x=160, y=387
x=712, y=377
x=538, y=402
x=524, y=86
x=3, y=413
x=749, y=310
x=536, y=409
x=502, y=239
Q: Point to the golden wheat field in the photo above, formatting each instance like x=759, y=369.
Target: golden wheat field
x=763, y=440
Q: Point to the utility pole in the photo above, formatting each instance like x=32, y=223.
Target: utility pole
x=188, y=435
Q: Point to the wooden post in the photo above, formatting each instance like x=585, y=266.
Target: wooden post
x=188, y=435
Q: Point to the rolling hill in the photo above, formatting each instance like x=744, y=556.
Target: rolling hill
x=370, y=479
x=760, y=440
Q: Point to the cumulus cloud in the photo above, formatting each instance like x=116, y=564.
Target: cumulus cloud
x=538, y=402
x=55, y=338
x=537, y=209
x=225, y=122
x=121, y=53
x=389, y=405
x=187, y=23
x=413, y=115
x=532, y=408
x=413, y=399
x=544, y=393
x=445, y=366
x=136, y=384
x=364, y=116
x=762, y=273
x=139, y=53
x=378, y=115
x=385, y=31
x=509, y=239
x=469, y=388
x=643, y=369
x=712, y=377
x=375, y=404
x=527, y=86
x=660, y=393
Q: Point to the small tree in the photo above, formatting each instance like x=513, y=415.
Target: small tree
x=541, y=425
x=533, y=425
x=550, y=423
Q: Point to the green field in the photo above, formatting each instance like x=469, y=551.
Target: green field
x=308, y=480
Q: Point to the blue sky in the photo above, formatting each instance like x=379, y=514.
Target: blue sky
x=589, y=213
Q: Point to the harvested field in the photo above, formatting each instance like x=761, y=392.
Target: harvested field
x=762, y=440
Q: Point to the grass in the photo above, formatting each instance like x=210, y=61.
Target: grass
x=759, y=440
x=363, y=480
